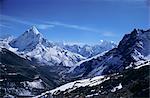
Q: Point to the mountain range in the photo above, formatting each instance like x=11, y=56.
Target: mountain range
x=133, y=48
x=120, y=72
x=32, y=44
x=89, y=51
x=32, y=65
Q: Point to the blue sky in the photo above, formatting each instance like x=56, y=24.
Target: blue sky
x=74, y=21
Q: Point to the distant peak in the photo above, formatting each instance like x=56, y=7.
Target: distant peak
x=105, y=41
x=101, y=40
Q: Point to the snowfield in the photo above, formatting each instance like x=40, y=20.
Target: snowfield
x=90, y=82
x=76, y=84
x=116, y=88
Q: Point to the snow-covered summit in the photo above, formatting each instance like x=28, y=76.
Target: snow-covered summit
x=34, y=30
x=34, y=45
x=137, y=41
x=28, y=40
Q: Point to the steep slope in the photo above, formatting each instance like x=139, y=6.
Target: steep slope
x=132, y=48
x=89, y=50
x=32, y=44
x=28, y=40
x=130, y=83
x=18, y=76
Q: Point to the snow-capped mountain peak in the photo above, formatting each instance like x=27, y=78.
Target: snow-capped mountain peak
x=138, y=41
x=32, y=44
x=28, y=40
x=34, y=30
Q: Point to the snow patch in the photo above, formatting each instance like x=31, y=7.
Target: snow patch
x=76, y=84
x=116, y=88
x=36, y=84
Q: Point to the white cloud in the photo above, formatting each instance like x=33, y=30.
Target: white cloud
x=92, y=30
x=9, y=18
x=72, y=26
x=52, y=24
x=108, y=34
x=4, y=26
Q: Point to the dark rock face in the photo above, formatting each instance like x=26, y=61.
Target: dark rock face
x=132, y=48
x=16, y=72
x=134, y=83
